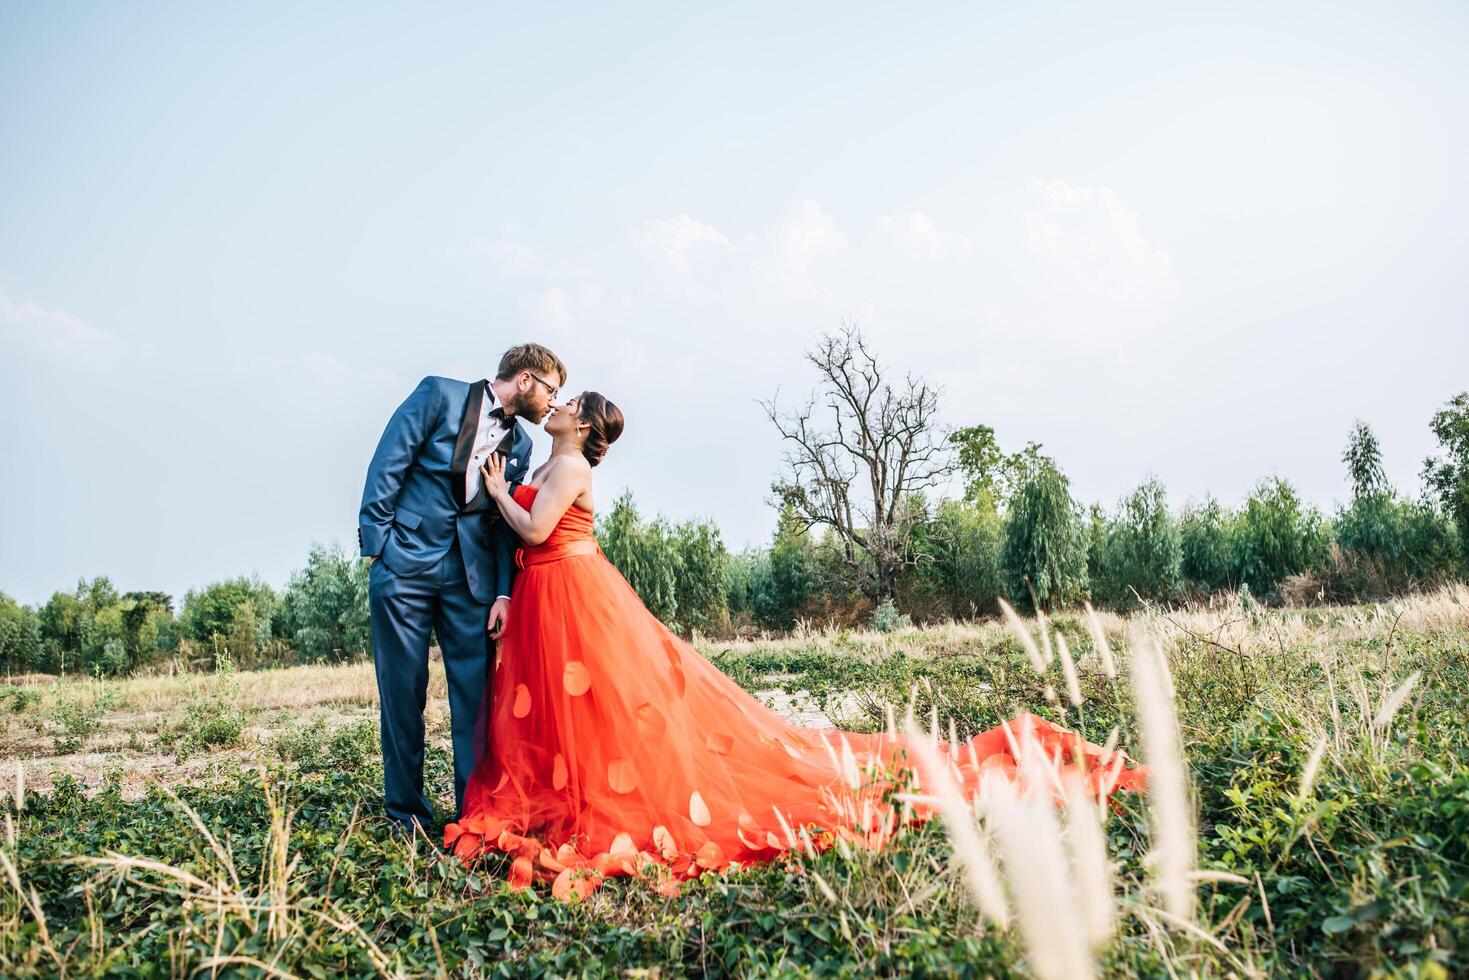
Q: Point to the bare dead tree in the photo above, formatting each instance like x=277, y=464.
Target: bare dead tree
x=858, y=452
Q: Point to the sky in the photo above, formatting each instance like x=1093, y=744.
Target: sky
x=1188, y=241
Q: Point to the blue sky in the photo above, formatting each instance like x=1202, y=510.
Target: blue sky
x=1194, y=242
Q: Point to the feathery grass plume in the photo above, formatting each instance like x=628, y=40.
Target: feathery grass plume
x=1313, y=765
x=1017, y=626
x=785, y=826
x=1043, y=626
x=1099, y=640
x=1394, y=702
x=1068, y=670
x=1169, y=811
x=969, y=843
x=849, y=765
x=825, y=889
x=1036, y=869
x=1092, y=870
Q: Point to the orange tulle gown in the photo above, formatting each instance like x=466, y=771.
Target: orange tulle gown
x=613, y=748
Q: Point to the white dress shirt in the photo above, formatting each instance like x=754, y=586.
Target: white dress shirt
x=487, y=436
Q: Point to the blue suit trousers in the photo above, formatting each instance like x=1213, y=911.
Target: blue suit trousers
x=404, y=609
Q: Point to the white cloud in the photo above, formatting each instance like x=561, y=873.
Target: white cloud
x=917, y=233
x=1092, y=246
x=676, y=237
x=56, y=334
x=556, y=307
x=560, y=308
x=805, y=238
x=329, y=385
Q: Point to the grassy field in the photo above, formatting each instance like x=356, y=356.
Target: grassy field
x=228, y=823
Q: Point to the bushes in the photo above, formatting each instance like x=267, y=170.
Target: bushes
x=323, y=613
x=966, y=539
x=314, y=748
x=96, y=631
x=1044, y=551
x=679, y=571
x=1142, y=550
x=20, y=637
x=1385, y=546
x=1206, y=547
x=78, y=715
x=1276, y=537
x=1447, y=475
x=213, y=716
x=1016, y=531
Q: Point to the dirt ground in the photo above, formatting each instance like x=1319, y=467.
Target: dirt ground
x=132, y=748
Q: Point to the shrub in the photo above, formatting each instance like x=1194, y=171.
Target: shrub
x=965, y=538
x=1206, y=547
x=19, y=698
x=214, y=716
x=1277, y=537
x=1447, y=475
x=1044, y=551
x=1143, y=551
x=643, y=554
x=323, y=613
x=678, y=570
x=314, y=748
x=240, y=609
x=795, y=573
x=79, y=716
x=886, y=618
x=20, y=637
x=702, y=566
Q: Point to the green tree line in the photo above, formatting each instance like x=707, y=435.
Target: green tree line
x=1017, y=531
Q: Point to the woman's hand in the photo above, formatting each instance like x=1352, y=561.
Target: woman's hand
x=493, y=472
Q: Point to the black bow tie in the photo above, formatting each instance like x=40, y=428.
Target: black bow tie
x=498, y=413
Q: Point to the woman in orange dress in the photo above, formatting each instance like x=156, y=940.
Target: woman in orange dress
x=613, y=748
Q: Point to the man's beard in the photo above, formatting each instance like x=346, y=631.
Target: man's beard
x=520, y=406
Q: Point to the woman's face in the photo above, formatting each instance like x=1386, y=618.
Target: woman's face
x=564, y=417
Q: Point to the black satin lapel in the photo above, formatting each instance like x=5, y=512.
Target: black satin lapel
x=464, y=445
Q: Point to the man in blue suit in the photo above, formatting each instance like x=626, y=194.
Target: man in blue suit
x=442, y=557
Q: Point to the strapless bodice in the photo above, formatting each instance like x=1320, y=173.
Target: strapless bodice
x=571, y=535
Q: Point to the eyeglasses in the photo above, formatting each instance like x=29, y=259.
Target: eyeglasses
x=552, y=390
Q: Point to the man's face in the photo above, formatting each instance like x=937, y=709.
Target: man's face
x=534, y=395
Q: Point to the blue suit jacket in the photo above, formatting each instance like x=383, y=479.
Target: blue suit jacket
x=410, y=506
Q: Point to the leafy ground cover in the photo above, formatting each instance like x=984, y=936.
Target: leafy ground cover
x=227, y=823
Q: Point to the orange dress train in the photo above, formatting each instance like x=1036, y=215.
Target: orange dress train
x=614, y=748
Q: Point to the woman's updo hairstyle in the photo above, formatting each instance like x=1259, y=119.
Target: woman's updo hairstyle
x=605, y=421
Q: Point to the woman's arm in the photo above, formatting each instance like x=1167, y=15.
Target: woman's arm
x=563, y=485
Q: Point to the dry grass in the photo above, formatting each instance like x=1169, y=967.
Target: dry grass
x=1057, y=888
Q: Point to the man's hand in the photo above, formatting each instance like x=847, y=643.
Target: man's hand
x=499, y=618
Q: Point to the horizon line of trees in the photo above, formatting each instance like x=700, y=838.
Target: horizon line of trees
x=861, y=539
